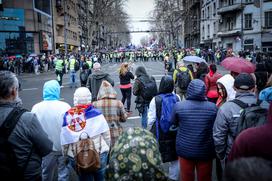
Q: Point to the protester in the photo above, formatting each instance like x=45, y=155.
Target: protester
x=135, y=156
x=84, y=74
x=182, y=76
x=112, y=109
x=85, y=120
x=225, y=93
x=225, y=89
x=261, y=77
x=195, y=117
x=201, y=71
x=125, y=86
x=249, y=169
x=144, y=89
x=255, y=142
x=23, y=141
x=50, y=114
x=60, y=69
x=73, y=68
x=225, y=126
x=210, y=82
x=95, y=80
x=160, y=106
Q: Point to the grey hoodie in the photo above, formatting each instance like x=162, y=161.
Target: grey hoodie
x=95, y=80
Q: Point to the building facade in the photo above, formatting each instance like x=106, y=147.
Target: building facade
x=209, y=25
x=245, y=25
x=70, y=23
x=192, y=18
x=25, y=27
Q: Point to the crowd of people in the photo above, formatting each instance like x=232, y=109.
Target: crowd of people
x=196, y=115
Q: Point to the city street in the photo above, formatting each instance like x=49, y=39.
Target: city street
x=32, y=86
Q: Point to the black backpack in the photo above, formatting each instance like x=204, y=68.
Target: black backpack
x=250, y=116
x=183, y=79
x=77, y=66
x=8, y=160
x=149, y=88
x=84, y=77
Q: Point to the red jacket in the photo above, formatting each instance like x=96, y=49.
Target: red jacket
x=211, y=87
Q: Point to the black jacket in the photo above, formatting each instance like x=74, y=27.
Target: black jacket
x=125, y=79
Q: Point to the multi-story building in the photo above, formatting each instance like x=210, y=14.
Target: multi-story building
x=25, y=27
x=245, y=24
x=209, y=24
x=192, y=11
x=70, y=23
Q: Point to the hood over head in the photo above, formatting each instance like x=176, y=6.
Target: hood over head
x=140, y=71
x=99, y=75
x=106, y=91
x=196, y=90
x=228, y=81
x=51, y=90
x=82, y=95
x=166, y=85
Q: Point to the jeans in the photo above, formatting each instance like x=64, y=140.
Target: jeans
x=54, y=162
x=144, y=116
x=174, y=170
x=126, y=95
x=73, y=78
x=203, y=170
x=99, y=175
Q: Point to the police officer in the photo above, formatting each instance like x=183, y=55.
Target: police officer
x=59, y=68
x=73, y=67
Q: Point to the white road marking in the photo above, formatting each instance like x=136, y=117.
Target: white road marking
x=29, y=89
x=134, y=117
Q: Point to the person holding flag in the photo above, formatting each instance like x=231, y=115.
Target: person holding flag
x=84, y=131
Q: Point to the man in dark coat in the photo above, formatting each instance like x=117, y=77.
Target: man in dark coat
x=95, y=80
x=194, y=144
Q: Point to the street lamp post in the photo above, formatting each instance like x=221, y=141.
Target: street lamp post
x=65, y=28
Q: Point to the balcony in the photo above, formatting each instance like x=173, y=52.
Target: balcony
x=228, y=33
x=230, y=8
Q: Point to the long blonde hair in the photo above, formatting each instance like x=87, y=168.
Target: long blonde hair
x=123, y=69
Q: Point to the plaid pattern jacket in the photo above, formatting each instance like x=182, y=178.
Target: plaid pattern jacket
x=114, y=112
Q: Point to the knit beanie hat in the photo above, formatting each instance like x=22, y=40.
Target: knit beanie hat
x=96, y=66
x=244, y=81
x=82, y=95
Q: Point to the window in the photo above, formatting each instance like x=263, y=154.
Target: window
x=268, y=19
x=208, y=12
x=214, y=8
x=230, y=23
x=248, y=21
x=208, y=31
x=249, y=44
x=248, y=1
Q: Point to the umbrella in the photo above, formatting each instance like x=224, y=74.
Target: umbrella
x=12, y=57
x=194, y=59
x=33, y=55
x=19, y=56
x=239, y=65
x=29, y=59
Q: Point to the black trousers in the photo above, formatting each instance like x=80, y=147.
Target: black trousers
x=60, y=74
x=126, y=95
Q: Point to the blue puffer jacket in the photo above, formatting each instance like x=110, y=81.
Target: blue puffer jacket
x=195, y=117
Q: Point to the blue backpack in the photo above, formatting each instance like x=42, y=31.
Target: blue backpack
x=164, y=108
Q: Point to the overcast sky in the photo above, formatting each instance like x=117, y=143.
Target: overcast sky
x=139, y=10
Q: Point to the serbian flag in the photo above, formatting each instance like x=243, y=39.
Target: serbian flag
x=82, y=119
